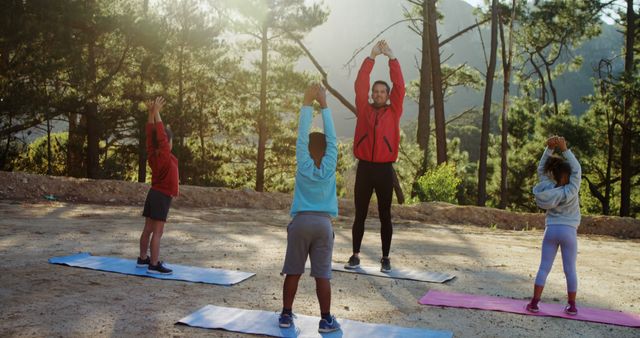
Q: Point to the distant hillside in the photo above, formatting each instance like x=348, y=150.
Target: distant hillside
x=353, y=23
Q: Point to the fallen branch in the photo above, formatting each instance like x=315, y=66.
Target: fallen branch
x=440, y=44
x=325, y=82
x=374, y=39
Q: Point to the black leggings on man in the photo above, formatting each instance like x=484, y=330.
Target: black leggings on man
x=369, y=177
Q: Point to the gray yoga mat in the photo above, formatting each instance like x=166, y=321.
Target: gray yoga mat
x=128, y=267
x=266, y=323
x=396, y=273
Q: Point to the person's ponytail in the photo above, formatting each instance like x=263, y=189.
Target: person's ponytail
x=557, y=166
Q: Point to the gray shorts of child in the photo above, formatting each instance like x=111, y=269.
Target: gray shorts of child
x=309, y=234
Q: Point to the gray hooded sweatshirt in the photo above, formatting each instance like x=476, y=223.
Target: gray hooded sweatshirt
x=561, y=203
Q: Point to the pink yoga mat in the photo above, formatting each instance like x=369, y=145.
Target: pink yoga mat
x=461, y=300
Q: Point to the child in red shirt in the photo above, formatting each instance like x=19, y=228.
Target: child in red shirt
x=164, y=186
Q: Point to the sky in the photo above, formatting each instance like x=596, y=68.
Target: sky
x=475, y=3
x=605, y=18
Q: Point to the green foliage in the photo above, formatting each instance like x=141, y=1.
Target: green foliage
x=439, y=184
x=35, y=157
x=346, y=161
x=204, y=57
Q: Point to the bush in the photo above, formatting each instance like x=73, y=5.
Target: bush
x=34, y=159
x=439, y=184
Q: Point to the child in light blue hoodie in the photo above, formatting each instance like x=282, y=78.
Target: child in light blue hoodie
x=310, y=233
x=559, y=196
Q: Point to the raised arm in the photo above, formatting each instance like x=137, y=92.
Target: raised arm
x=548, y=151
x=395, y=73
x=363, y=81
x=573, y=187
x=150, y=125
x=161, y=135
x=154, y=124
x=330, y=159
x=304, y=124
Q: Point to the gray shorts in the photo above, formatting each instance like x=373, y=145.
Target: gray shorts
x=309, y=234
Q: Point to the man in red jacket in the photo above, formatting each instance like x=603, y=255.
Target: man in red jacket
x=164, y=186
x=375, y=145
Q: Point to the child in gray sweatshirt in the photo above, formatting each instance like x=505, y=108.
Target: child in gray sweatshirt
x=559, y=195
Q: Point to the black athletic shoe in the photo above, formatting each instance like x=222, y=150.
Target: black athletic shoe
x=354, y=262
x=385, y=265
x=159, y=269
x=143, y=263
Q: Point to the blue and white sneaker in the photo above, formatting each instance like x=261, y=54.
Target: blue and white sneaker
x=326, y=326
x=285, y=320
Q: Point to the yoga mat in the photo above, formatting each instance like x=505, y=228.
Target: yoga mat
x=128, y=267
x=421, y=276
x=461, y=300
x=266, y=323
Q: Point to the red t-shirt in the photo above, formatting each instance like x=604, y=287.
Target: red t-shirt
x=164, y=166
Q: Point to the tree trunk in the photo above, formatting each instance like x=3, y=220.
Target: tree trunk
x=554, y=93
x=141, y=124
x=91, y=113
x=436, y=81
x=507, y=57
x=262, y=126
x=49, y=169
x=93, y=140
x=142, y=117
x=201, y=132
x=543, y=86
x=606, y=204
x=179, y=138
x=75, y=146
x=424, y=101
x=5, y=155
x=142, y=153
x=625, y=154
x=486, y=107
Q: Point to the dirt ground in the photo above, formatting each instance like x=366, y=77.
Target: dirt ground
x=38, y=299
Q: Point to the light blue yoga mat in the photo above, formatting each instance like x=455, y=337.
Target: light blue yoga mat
x=395, y=273
x=266, y=323
x=128, y=267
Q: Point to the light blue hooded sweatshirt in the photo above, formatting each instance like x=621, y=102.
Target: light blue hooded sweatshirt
x=315, y=188
x=561, y=203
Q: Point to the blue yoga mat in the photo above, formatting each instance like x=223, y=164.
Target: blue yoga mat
x=266, y=323
x=128, y=267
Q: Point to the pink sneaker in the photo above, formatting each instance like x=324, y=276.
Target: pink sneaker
x=571, y=309
x=532, y=307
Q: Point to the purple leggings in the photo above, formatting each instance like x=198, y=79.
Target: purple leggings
x=564, y=236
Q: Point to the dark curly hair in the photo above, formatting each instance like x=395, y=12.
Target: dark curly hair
x=558, y=167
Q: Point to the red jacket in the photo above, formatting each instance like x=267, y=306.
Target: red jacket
x=377, y=135
x=164, y=166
